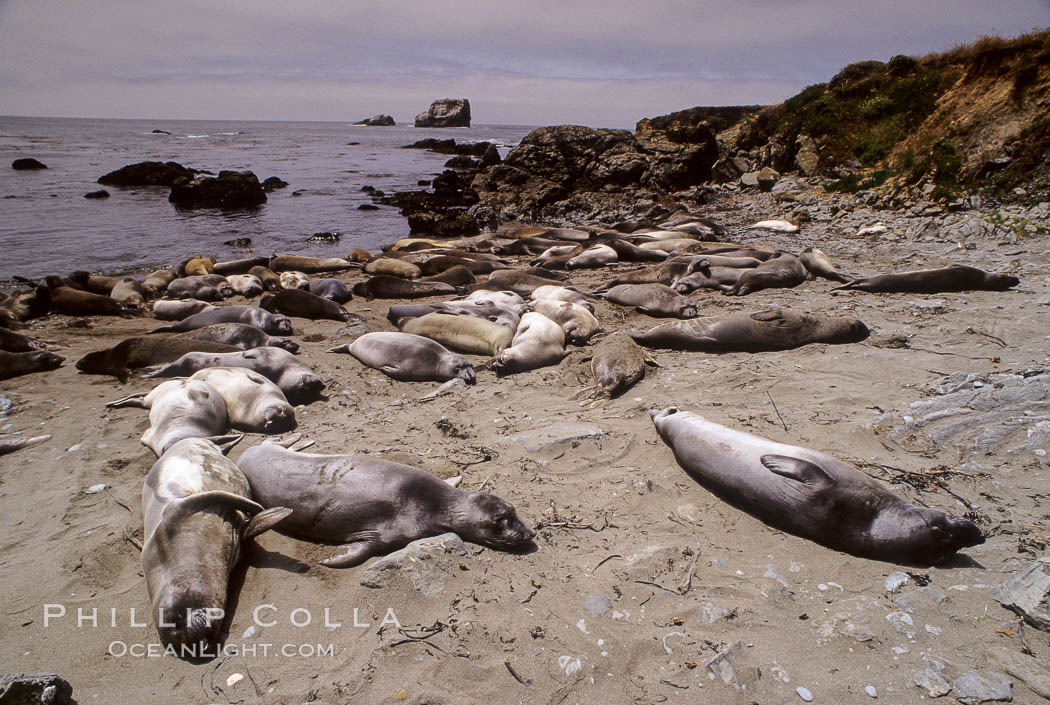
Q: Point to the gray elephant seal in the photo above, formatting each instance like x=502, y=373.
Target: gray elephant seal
x=394, y=268
x=932, y=281
x=241, y=336
x=593, y=257
x=663, y=273
x=810, y=494
x=561, y=293
x=818, y=264
x=239, y=266
x=721, y=278
x=16, y=364
x=617, y=365
x=484, y=309
x=196, y=512
x=310, y=265
x=465, y=334
x=373, y=506
x=268, y=277
x=272, y=323
x=295, y=378
x=520, y=282
x=130, y=294
x=782, y=272
x=409, y=358
x=247, y=285
x=775, y=329
x=384, y=286
x=629, y=252
x=653, y=300
x=200, y=287
x=253, y=403
x=16, y=342
x=178, y=409
x=136, y=353
x=331, y=289
x=576, y=321
x=303, y=304
x=538, y=342
x=156, y=282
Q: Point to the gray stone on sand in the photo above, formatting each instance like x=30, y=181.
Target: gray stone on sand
x=1028, y=593
x=1027, y=669
x=934, y=678
x=35, y=689
x=550, y=436
x=730, y=665
x=598, y=604
x=974, y=687
x=427, y=563
x=355, y=328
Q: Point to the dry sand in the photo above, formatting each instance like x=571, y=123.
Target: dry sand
x=639, y=577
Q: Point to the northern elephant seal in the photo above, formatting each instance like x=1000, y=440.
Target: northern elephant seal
x=394, y=268
x=240, y=266
x=196, y=512
x=199, y=266
x=771, y=330
x=310, y=265
x=291, y=279
x=247, y=285
x=663, y=273
x=374, y=506
x=16, y=364
x=21, y=307
x=784, y=271
x=136, y=353
x=130, y=294
x=272, y=323
x=957, y=277
x=156, y=282
x=487, y=310
x=199, y=287
x=241, y=336
x=577, y=322
x=653, y=300
x=295, y=378
x=593, y=257
x=409, y=358
x=811, y=494
x=618, y=363
x=818, y=264
x=520, y=282
x=77, y=302
x=561, y=293
x=331, y=289
x=253, y=403
x=538, y=342
x=16, y=342
x=721, y=278
x=269, y=278
x=458, y=276
x=95, y=283
x=303, y=304
x=384, y=286
x=178, y=409
x=178, y=309
x=465, y=334
x=629, y=252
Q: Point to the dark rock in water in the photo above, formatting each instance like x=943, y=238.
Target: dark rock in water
x=147, y=174
x=35, y=689
x=161, y=132
x=239, y=242
x=352, y=144
x=490, y=156
x=368, y=189
x=377, y=193
x=101, y=193
x=229, y=190
x=273, y=183
x=461, y=162
x=447, y=112
x=367, y=207
x=378, y=121
x=422, y=182
x=449, y=146
x=324, y=237
x=27, y=163
x=300, y=192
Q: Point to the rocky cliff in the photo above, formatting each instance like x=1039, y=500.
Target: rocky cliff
x=447, y=112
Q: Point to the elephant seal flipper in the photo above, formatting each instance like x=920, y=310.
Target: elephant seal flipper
x=362, y=545
x=266, y=520
x=796, y=469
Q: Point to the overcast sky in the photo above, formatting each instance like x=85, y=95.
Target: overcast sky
x=596, y=62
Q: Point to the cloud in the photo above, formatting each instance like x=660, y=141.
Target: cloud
x=528, y=62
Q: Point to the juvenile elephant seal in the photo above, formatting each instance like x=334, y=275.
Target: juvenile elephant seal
x=196, y=512
x=130, y=294
x=272, y=323
x=520, y=282
x=957, y=277
x=19, y=308
x=303, y=304
x=818, y=264
x=394, y=268
x=241, y=336
x=593, y=257
x=95, y=283
x=670, y=245
x=77, y=302
x=199, y=266
x=629, y=252
x=156, y=282
x=409, y=358
x=240, y=266
x=487, y=310
x=465, y=334
x=663, y=273
x=775, y=329
x=293, y=377
x=310, y=265
x=556, y=257
x=14, y=342
x=538, y=342
x=10, y=445
x=384, y=286
x=177, y=309
x=617, y=365
x=721, y=278
x=782, y=272
x=359, y=255
x=294, y=280
x=561, y=293
x=136, y=353
x=16, y=364
x=374, y=506
x=331, y=289
x=577, y=322
x=457, y=276
x=198, y=287
x=653, y=300
x=269, y=278
x=178, y=409
x=503, y=298
x=810, y=494
x=253, y=403
x=776, y=226
x=247, y=285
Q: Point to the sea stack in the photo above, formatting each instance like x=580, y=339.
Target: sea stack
x=447, y=112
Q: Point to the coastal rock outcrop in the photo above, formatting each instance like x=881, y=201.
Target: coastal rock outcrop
x=273, y=183
x=147, y=174
x=377, y=121
x=27, y=164
x=228, y=190
x=446, y=112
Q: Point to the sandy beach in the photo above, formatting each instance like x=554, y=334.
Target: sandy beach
x=642, y=587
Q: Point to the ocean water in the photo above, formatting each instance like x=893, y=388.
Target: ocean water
x=48, y=227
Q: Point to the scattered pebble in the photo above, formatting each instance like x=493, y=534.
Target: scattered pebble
x=249, y=632
x=94, y=489
x=234, y=679
x=804, y=694
x=74, y=449
x=894, y=581
x=870, y=690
